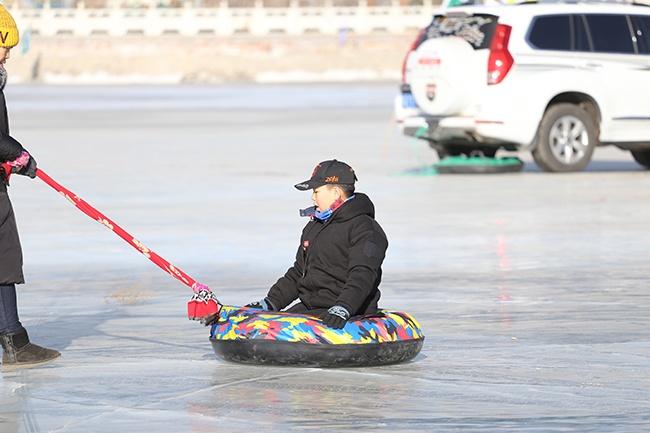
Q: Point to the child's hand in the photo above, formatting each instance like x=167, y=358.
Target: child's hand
x=264, y=304
x=336, y=317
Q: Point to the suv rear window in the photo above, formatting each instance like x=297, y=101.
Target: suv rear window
x=476, y=29
x=610, y=33
x=551, y=32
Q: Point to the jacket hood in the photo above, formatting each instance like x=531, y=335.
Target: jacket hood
x=359, y=205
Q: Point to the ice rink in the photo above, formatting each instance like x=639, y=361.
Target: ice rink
x=532, y=288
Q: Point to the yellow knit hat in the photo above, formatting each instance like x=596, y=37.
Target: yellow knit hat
x=8, y=29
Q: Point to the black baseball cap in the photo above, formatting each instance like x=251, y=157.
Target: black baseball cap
x=331, y=172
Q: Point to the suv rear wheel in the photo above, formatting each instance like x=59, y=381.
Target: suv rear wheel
x=566, y=139
x=642, y=157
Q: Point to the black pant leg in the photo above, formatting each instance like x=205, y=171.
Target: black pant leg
x=9, y=322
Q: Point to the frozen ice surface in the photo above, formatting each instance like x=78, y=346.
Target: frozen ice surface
x=532, y=289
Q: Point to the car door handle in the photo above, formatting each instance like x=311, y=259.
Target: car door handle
x=594, y=65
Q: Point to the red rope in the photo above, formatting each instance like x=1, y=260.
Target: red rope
x=93, y=213
x=203, y=295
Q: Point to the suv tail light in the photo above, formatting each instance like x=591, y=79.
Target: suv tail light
x=500, y=60
x=416, y=43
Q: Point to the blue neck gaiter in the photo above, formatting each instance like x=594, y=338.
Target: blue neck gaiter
x=324, y=215
x=327, y=214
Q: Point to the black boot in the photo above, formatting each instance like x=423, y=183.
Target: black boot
x=19, y=352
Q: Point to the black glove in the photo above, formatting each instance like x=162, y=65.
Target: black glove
x=264, y=304
x=336, y=317
x=28, y=169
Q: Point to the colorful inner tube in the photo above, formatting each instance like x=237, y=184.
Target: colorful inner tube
x=253, y=336
x=478, y=165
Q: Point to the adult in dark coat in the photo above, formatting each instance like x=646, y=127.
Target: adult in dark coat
x=337, y=270
x=17, y=349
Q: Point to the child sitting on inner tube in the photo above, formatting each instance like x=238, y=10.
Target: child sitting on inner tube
x=337, y=270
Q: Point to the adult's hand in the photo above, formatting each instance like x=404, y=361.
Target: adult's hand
x=24, y=165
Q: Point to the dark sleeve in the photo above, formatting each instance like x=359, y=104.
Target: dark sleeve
x=367, y=252
x=285, y=291
x=10, y=149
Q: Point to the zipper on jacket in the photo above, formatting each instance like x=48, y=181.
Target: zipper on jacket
x=305, y=252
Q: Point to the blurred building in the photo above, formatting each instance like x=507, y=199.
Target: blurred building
x=138, y=4
x=220, y=17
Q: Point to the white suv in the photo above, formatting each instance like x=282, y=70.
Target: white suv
x=556, y=79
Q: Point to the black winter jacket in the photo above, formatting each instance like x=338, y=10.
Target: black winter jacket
x=10, y=149
x=11, y=257
x=338, y=262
